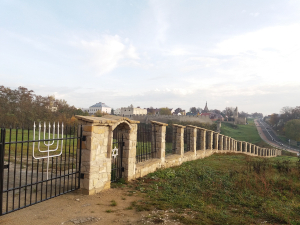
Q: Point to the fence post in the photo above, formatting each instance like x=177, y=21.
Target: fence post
x=179, y=139
x=203, y=139
x=221, y=142
x=2, y=149
x=159, y=130
x=216, y=141
x=193, y=138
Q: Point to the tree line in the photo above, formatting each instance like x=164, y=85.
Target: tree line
x=287, y=122
x=21, y=107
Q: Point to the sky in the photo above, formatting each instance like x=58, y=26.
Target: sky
x=159, y=53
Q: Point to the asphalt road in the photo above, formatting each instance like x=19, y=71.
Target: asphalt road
x=272, y=138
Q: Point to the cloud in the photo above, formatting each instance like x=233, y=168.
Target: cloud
x=109, y=52
x=270, y=54
x=160, y=13
x=254, y=14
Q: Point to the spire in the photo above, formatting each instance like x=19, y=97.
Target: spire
x=206, y=108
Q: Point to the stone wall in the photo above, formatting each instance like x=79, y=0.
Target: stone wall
x=98, y=139
x=165, y=119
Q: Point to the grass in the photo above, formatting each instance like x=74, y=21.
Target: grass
x=246, y=133
x=13, y=135
x=226, y=189
x=113, y=203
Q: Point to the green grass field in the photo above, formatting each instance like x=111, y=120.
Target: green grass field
x=246, y=133
x=225, y=189
x=20, y=149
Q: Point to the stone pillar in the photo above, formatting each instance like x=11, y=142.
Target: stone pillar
x=193, y=138
x=209, y=139
x=95, y=163
x=178, y=144
x=159, y=140
x=129, y=151
x=248, y=148
x=216, y=141
x=97, y=150
x=255, y=150
x=225, y=143
x=202, y=139
x=229, y=143
x=221, y=138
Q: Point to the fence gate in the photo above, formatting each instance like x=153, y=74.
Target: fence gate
x=38, y=164
x=116, y=155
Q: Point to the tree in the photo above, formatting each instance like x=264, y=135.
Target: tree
x=112, y=111
x=292, y=129
x=178, y=110
x=151, y=111
x=164, y=111
x=274, y=119
x=257, y=115
x=228, y=111
x=193, y=110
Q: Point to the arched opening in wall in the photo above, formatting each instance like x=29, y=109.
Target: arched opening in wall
x=117, y=152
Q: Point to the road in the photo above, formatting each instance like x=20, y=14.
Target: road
x=268, y=135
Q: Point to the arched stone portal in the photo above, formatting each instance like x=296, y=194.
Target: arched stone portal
x=96, y=153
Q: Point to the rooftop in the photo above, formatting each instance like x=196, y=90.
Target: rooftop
x=100, y=104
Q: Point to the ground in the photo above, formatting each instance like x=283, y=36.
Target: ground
x=113, y=206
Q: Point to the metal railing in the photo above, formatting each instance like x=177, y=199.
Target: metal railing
x=187, y=138
x=146, y=142
x=170, y=138
x=35, y=169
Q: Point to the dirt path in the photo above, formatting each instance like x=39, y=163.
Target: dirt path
x=76, y=208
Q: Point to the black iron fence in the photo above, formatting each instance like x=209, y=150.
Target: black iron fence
x=117, y=168
x=146, y=142
x=35, y=167
x=170, y=140
x=187, y=138
x=198, y=139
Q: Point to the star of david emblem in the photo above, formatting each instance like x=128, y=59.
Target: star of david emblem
x=114, y=152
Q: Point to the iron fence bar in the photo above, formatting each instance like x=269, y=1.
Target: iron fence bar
x=25, y=198
x=79, y=166
x=35, y=183
x=41, y=140
x=8, y=170
x=21, y=167
x=15, y=168
x=2, y=148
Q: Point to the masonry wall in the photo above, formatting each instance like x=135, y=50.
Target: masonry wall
x=215, y=142
x=98, y=139
x=165, y=119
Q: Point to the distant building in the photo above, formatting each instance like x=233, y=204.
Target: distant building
x=117, y=111
x=157, y=111
x=205, y=111
x=84, y=109
x=99, y=106
x=130, y=110
x=52, y=108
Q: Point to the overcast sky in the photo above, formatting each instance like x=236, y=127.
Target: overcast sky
x=155, y=53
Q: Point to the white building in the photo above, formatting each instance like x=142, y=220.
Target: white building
x=118, y=111
x=130, y=110
x=99, y=106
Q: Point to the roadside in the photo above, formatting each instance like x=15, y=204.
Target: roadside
x=263, y=136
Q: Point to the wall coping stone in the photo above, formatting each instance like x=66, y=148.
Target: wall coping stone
x=105, y=120
x=191, y=126
x=159, y=123
x=177, y=125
